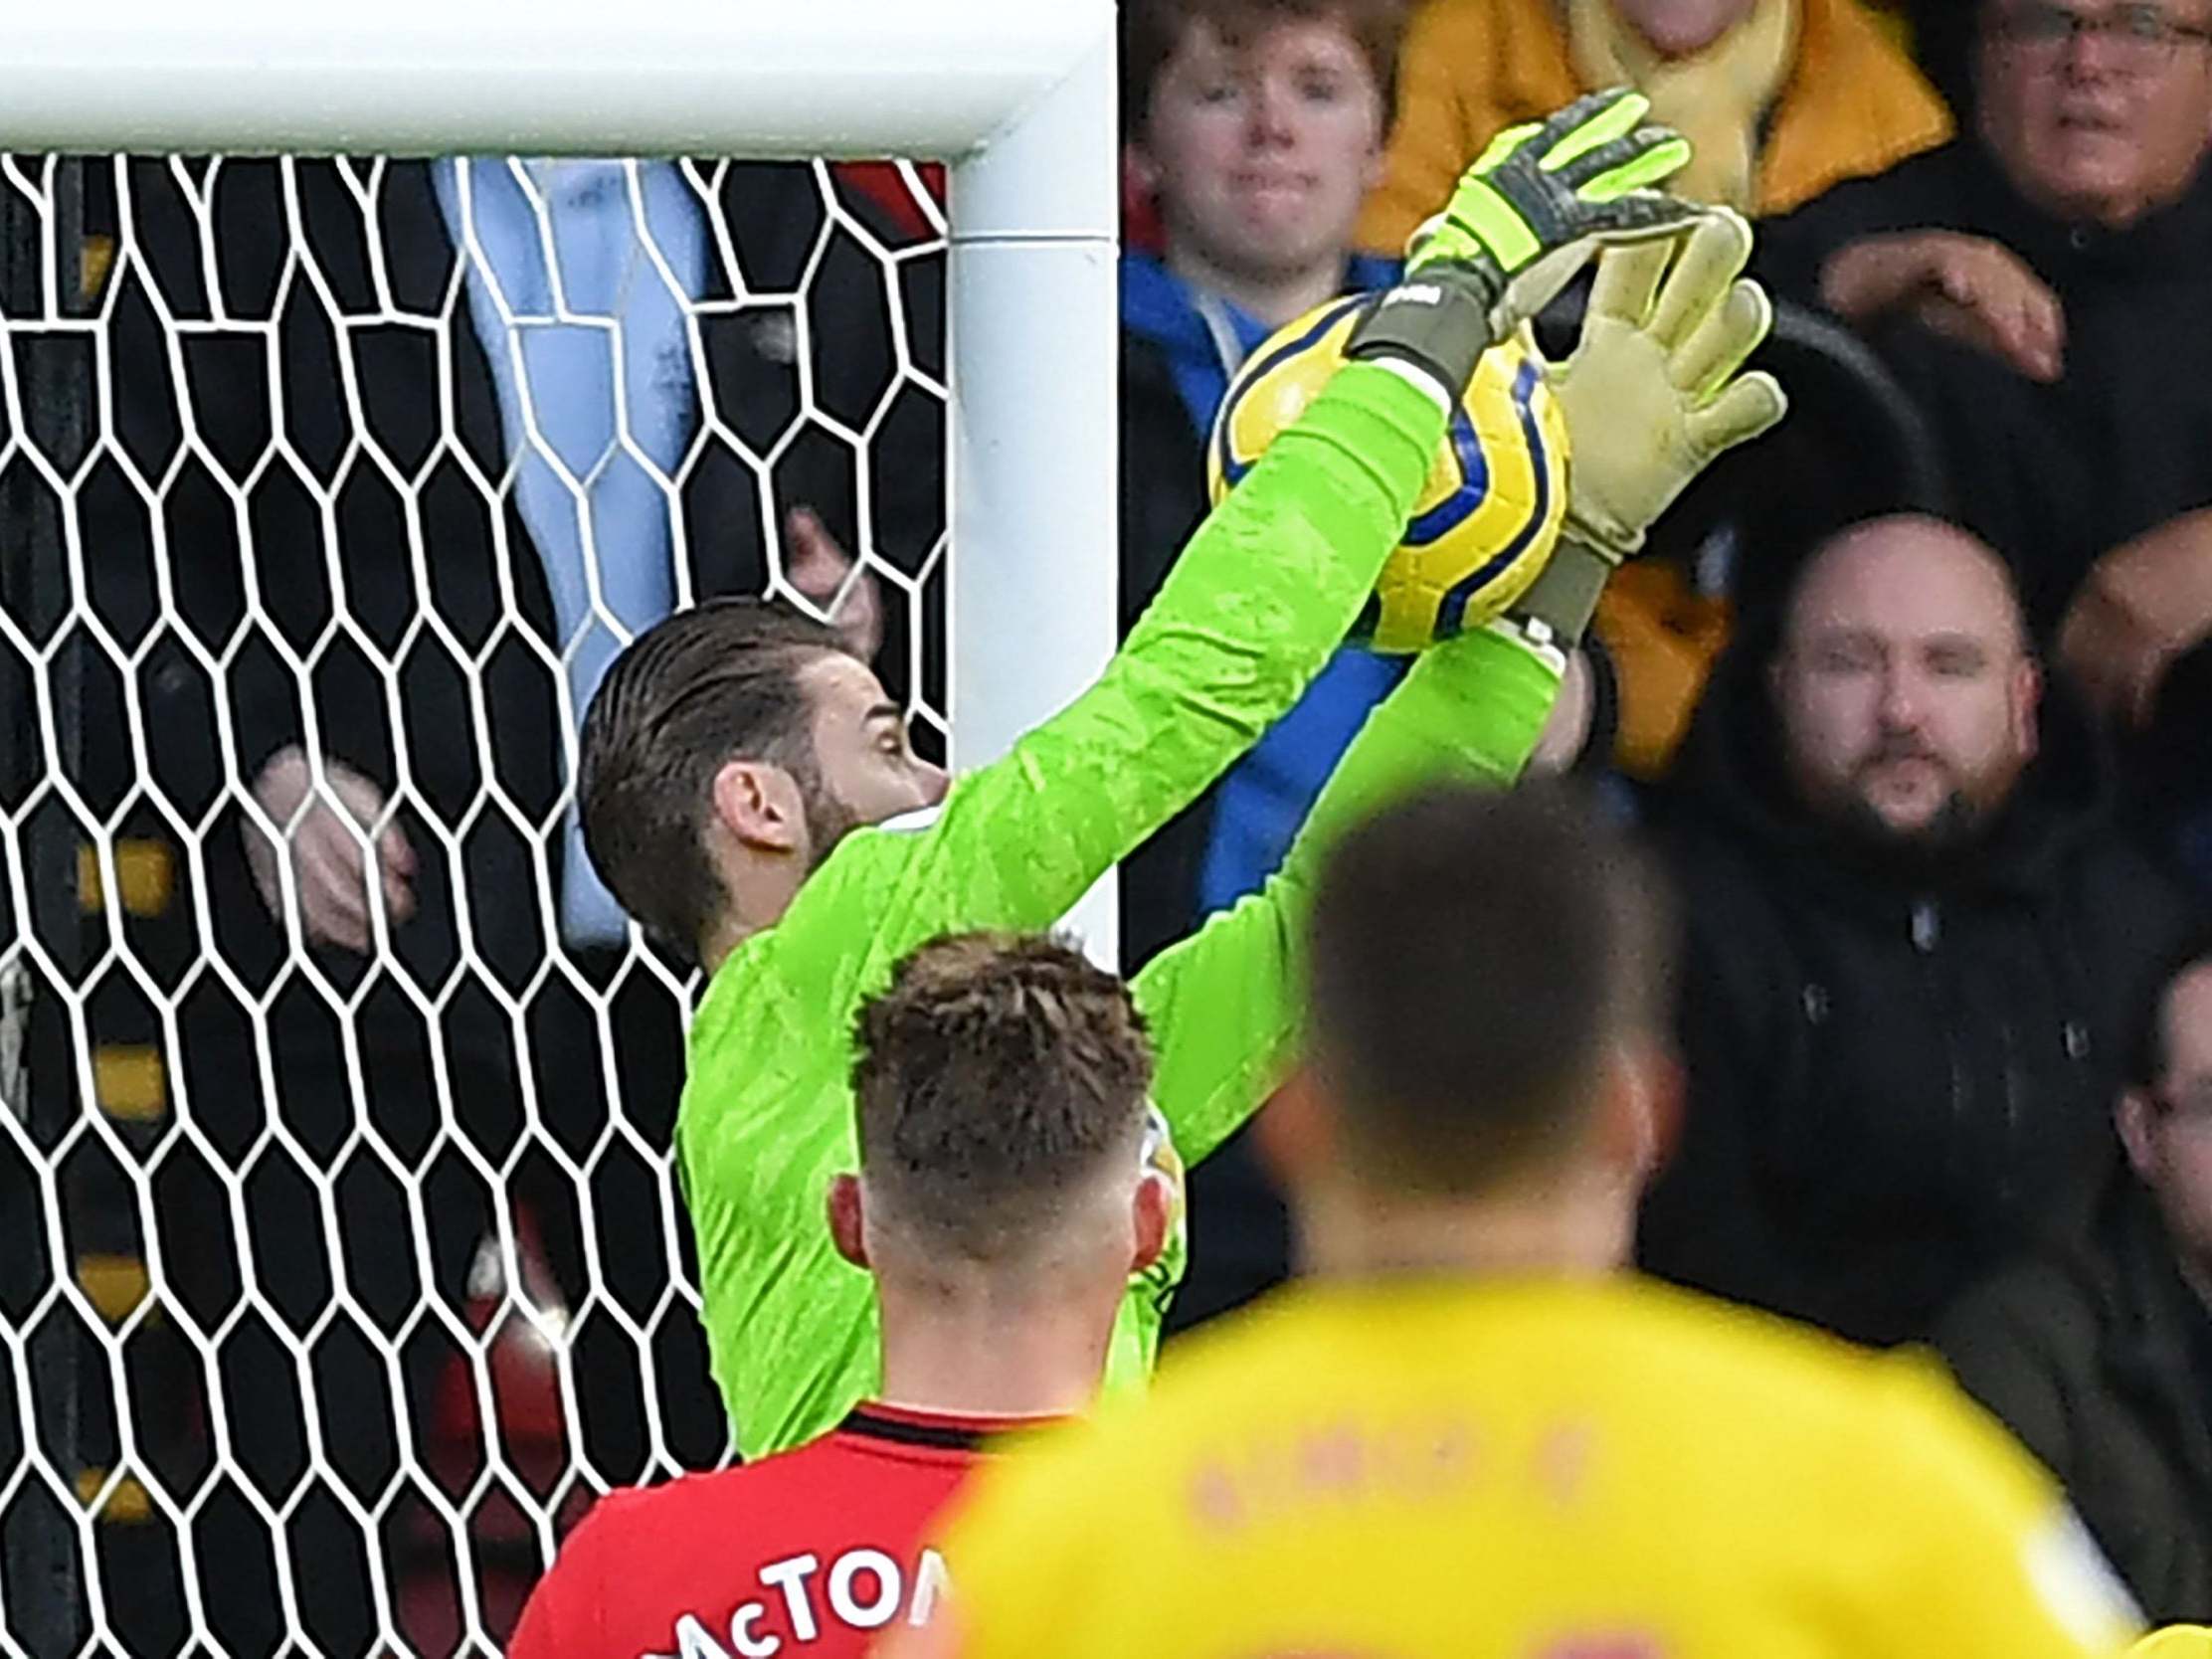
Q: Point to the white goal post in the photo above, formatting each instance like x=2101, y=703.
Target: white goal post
x=148, y=1197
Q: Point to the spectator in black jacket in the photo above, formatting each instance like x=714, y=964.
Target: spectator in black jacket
x=2100, y=1358
x=1914, y=945
x=2041, y=288
x=2040, y=284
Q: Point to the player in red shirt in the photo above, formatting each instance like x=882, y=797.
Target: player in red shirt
x=1007, y=1192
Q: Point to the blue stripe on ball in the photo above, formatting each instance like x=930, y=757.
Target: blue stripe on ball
x=1474, y=487
x=1232, y=469
x=1451, y=614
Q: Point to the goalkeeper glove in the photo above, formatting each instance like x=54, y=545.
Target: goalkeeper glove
x=1650, y=398
x=1522, y=221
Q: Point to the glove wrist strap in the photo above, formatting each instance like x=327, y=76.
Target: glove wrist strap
x=1437, y=320
x=1564, y=597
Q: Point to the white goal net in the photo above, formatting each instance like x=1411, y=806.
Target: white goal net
x=341, y=1262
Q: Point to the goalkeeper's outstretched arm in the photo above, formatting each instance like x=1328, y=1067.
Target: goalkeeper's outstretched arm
x=1275, y=578
x=1222, y=1004
x=1264, y=593
x=1652, y=395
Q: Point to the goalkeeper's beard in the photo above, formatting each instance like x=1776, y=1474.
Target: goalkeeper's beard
x=828, y=818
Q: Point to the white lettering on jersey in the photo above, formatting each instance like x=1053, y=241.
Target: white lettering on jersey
x=790, y=1577
x=865, y=1591
x=692, y=1641
x=741, y=1632
x=930, y=1582
x=872, y=1615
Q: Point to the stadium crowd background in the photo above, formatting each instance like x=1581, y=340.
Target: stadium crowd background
x=1938, y=1087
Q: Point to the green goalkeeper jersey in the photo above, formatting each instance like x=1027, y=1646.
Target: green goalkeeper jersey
x=1263, y=594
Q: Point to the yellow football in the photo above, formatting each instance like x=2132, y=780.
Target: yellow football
x=1488, y=514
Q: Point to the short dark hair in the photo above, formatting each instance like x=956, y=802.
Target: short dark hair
x=995, y=1074
x=710, y=684
x=1471, y=952
x=1153, y=32
x=2146, y=1057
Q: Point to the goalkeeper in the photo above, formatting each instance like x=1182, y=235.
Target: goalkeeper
x=748, y=793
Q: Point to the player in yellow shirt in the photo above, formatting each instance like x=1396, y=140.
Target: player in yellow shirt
x=1469, y=1435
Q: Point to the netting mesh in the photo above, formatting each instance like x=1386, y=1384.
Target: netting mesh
x=340, y=1257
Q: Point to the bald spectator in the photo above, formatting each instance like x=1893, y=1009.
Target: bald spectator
x=2100, y=1356
x=2041, y=288
x=1782, y=98
x=1915, y=945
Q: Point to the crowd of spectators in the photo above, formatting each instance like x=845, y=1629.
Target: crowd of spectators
x=1923, y=746
x=1928, y=754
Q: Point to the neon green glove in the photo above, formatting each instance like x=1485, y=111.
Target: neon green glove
x=1524, y=217
x=1651, y=397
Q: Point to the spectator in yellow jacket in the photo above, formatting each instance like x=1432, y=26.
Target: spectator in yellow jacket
x=1782, y=98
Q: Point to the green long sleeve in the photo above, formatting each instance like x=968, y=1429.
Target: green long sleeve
x=1264, y=592
x=1223, y=1004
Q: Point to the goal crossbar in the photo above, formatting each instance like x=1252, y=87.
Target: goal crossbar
x=758, y=78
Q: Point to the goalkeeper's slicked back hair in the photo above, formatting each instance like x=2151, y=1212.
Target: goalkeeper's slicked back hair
x=708, y=686
x=1472, y=954
x=996, y=1078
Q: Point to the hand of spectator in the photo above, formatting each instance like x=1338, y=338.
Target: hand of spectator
x=2143, y=604
x=327, y=862
x=1965, y=287
x=821, y=570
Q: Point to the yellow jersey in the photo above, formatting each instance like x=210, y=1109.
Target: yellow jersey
x=1526, y=1470
x=2175, y=1641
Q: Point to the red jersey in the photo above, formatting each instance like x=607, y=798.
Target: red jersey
x=811, y=1552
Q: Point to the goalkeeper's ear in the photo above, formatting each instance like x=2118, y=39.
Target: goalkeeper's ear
x=761, y=806
x=847, y=1220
